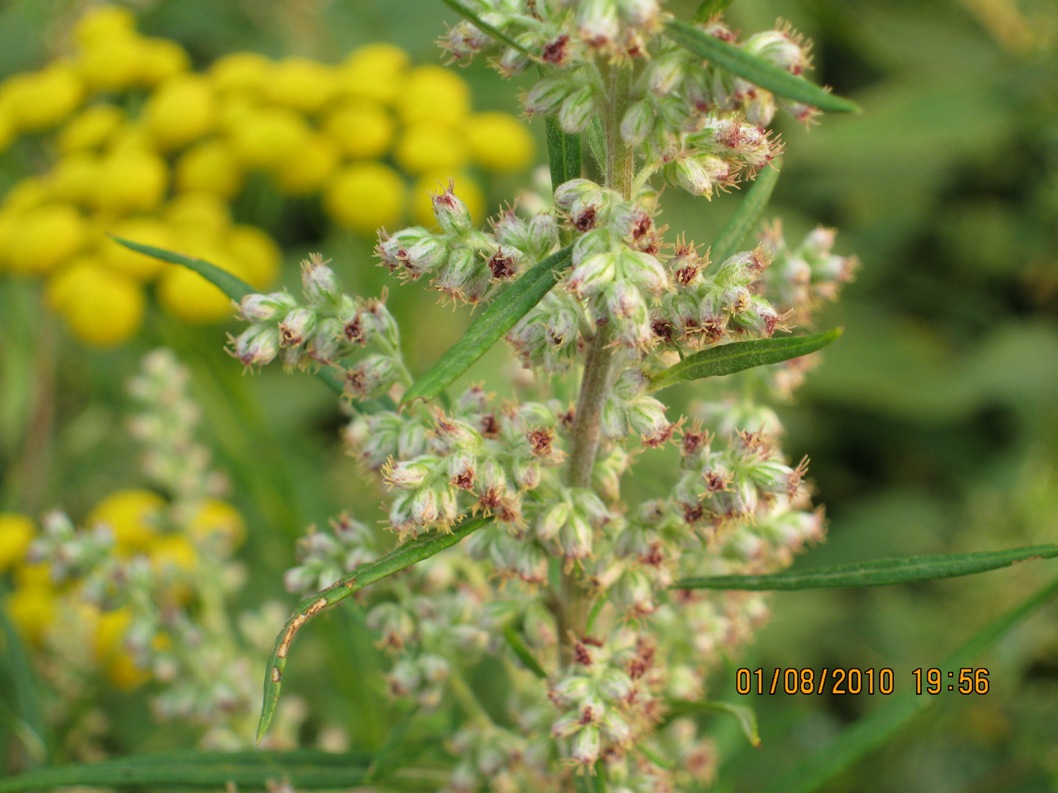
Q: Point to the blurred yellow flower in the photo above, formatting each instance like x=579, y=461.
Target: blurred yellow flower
x=433, y=94
x=499, y=142
x=32, y=609
x=131, y=181
x=101, y=307
x=217, y=518
x=110, y=650
x=239, y=72
x=161, y=59
x=261, y=137
x=188, y=296
x=103, y=23
x=46, y=236
x=180, y=111
x=144, y=229
x=37, y=101
x=112, y=62
x=197, y=214
x=256, y=256
x=365, y=196
x=306, y=167
x=74, y=177
x=132, y=515
x=431, y=147
x=209, y=166
x=362, y=128
x=374, y=71
x=174, y=550
x=16, y=533
x=90, y=128
x=301, y=84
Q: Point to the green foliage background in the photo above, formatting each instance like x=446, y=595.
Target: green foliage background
x=932, y=426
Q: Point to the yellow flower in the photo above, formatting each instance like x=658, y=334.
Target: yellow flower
x=180, y=111
x=7, y=130
x=111, y=62
x=256, y=256
x=147, y=230
x=431, y=183
x=191, y=298
x=161, y=59
x=27, y=193
x=110, y=651
x=32, y=609
x=433, y=94
x=131, y=180
x=306, y=167
x=44, y=237
x=375, y=71
x=101, y=307
x=217, y=518
x=198, y=214
x=365, y=196
x=103, y=23
x=361, y=128
x=209, y=166
x=264, y=136
x=16, y=533
x=173, y=550
x=90, y=128
x=132, y=514
x=74, y=177
x=240, y=72
x=301, y=84
x=430, y=147
x=499, y=141
x=41, y=100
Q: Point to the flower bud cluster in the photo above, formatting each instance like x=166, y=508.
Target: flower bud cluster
x=322, y=330
x=629, y=410
x=710, y=304
x=461, y=261
x=325, y=557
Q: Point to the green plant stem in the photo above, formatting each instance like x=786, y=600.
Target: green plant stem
x=573, y=602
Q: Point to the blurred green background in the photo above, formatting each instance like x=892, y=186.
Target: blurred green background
x=932, y=426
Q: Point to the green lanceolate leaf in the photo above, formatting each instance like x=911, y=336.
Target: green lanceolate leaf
x=756, y=70
x=231, y=285
x=563, y=153
x=709, y=9
x=16, y=675
x=501, y=315
x=739, y=355
x=252, y=770
x=874, y=730
x=522, y=651
x=398, y=559
x=747, y=216
x=881, y=572
x=484, y=26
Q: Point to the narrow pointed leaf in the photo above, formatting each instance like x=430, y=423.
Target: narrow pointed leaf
x=522, y=651
x=26, y=709
x=563, y=153
x=252, y=770
x=756, y=70
x=881, y=572
x=744, y=715
x=398, y=559
x=875, y=729
x=710, y=8
x=233, y=286
x=484, y=26
x=747, y=216
x=739, y=355
x=500, y=316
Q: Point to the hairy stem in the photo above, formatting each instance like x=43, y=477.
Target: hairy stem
x=573, y=601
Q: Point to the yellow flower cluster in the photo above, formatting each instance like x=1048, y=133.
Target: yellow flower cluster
x=136, y=519
x=371, y=136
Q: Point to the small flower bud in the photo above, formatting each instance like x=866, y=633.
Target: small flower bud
x=265, y=308
x=666, y=73
x=645, y=271
x=319, y=284
x=458, y=272
x=598, y=23
x=452, y=214
x=410, y=474
x=546, y=96
x=370, y=377
x=542, y=236
x=296, y=327
x=586, y=746
x=577, y=110
x=592, y=275
x=256, y=346
x=637, y=123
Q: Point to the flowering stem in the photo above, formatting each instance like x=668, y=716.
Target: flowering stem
x=573, y=602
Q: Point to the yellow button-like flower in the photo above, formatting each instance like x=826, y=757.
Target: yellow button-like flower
x=363, y=128
x=133, y=516
x=256, y=256
x=240, y=72
x=301, y=84
x=188, y=296
x=305, y=168
x=111, y=63
x=111, y=653
x=433, y=94
x=264, y=136
x=100, y=306
x=365, y=196
x=16, y=533
x=46, y=236
x=32, y=609
x=103, y=23
x=173, y=550
x=375, y=71
x=431, y=147
x=27, y=193
x=8, y=133
x=145, y=230
x=91, y=128
x=429, y=184
x=130, y=181
x=41, y=100
x=161, y=59
x=180, y=111
x=499, y=142
x=74, y=177
x=209, y=166
x=198, y=214
x=217, y=518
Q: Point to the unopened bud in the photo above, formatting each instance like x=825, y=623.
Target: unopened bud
x=577, y=110
x=256, y=346
x=546, y=96
x=265, y=308
x=319, y=284
x=638, y=123
x=452, y=214
x=297, y=326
